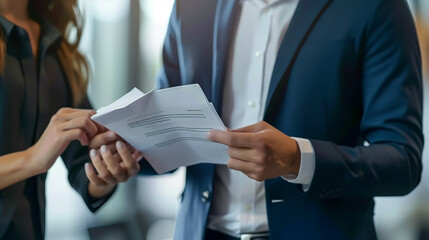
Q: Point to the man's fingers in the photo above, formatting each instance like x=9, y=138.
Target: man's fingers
x=252, y=170
x=254, y=128
x=103, y=139
x=234, y=139
x=92, y=175
x=243, y=166
x=246, y=154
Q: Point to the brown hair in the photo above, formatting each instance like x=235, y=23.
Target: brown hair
x=66, y=17
x=423, y=33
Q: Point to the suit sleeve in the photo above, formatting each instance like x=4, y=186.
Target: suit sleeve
x=169, y=75
x=392, y=116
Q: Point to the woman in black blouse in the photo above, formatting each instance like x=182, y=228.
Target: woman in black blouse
x=42, y=75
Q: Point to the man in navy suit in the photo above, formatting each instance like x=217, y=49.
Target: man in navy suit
x=324, y=99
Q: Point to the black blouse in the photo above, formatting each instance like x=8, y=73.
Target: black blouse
x=31, y=91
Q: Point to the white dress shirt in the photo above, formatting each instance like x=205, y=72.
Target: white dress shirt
x=239, y=201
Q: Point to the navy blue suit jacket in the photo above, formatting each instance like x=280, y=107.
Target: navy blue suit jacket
x=347, y=71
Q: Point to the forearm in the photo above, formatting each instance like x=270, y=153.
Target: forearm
x=376, y=170
x=15, y=167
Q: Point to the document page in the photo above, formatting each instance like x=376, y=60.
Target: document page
x=167, y=126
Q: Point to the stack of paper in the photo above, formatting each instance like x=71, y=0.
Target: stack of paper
x=167, y=126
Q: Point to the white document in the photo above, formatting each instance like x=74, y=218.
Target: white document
x=167, y=126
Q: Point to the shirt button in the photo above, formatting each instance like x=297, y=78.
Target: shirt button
x=251, y=104
x=257, y=53
x=205, y=196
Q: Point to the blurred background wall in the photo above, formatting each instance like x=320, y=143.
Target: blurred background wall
x=122, y=40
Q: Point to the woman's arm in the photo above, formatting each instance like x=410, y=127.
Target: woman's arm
x=16, y=167
x=65, y=126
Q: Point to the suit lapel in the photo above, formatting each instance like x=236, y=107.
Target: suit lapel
x=306, y=14
x=225, y=19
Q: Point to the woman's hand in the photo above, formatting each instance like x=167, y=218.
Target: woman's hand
x=65, y=126
x=114, y=161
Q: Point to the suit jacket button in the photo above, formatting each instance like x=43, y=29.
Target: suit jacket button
x=205, y=196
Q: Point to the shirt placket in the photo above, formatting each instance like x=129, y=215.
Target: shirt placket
x=247, y=204
x=256, y=80
x=29, y=70
x=256, y=69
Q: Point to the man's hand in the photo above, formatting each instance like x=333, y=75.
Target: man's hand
x=260, y=151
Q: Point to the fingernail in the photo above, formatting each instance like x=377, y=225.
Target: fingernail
x=87, y=166
x=93, y=152
x=119, y=145
x=208, y=134
x=103, y=149
x=111, y=135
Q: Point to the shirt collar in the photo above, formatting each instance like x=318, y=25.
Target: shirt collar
x=49, y=33
x=7, y=26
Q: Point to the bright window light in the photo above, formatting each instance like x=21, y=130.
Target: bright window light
x=109, y=10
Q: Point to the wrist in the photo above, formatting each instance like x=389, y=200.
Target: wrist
x=100, y=191
x=307, y=164
x=30, y=164
x=296, y=162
